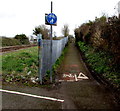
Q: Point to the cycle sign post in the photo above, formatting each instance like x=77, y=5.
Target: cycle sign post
x=51, y=19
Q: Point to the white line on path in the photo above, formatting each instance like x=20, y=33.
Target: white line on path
x=76, y=78
x=31, y=95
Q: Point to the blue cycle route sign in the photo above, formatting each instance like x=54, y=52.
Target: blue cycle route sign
x=51, y=18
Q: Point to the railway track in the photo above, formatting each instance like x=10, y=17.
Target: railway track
x=12, y=48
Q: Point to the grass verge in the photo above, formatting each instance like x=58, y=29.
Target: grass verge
x=21, y=65
x=59, y=60
x=46, y=79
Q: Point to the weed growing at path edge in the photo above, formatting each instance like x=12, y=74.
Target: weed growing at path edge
x=100, y=62
x=46, y=79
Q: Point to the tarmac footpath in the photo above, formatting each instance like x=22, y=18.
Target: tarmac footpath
x=75, y=89
x=79, y=89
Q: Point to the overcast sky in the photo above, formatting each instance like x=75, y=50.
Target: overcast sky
x=21, y=16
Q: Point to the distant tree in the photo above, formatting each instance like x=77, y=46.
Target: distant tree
x=71, y=38
x=22, y=38
x=42, y=29
x=65, y=30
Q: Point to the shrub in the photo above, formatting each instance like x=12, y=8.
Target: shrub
x=9, y=41
x=101, y=63
x=22, y=38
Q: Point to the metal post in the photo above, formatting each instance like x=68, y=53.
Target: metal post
x=51, y=46
x=119, y=9
x=51, y=6
x=40, y=57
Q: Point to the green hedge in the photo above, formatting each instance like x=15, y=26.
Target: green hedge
x=101, y=63
x=9, y=41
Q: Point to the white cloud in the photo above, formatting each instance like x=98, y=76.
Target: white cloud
x=21, y=16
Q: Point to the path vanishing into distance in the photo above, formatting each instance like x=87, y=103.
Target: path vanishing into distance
x=75, y=86
x=84, y=92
